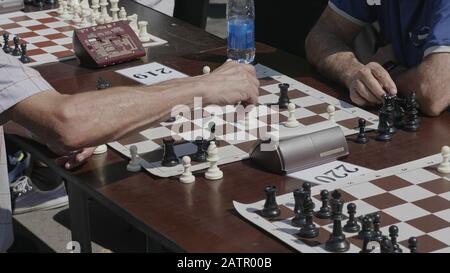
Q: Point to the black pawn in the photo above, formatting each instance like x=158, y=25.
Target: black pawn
x=6, y=48
x=352, y=225
x=170, y=159
x=271, y=209
x=283, y=101
x=307, y=188
x=299, y=219
x=377, y=235
x=102, y=84
x=337, y=242
x=412, y=119
x=24, y=58
x=16, y=51
x=393, y=234
x=325, y=210
x=412, y=244
x=367, y=229
x=362, y=136
x=386, y=245
x=200, y=155
x=309, y=230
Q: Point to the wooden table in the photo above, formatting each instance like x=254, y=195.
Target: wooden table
x=200, y=217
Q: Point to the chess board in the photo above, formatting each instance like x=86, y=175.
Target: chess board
x=236, y=139
x=49, y=37
x=413, y=196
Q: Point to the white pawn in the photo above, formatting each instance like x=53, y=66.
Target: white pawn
x=135, y=162
x=115, y=10
x=122, y=14
x=101, y=149
x=143, y=34
x=77, y=19
x=187, y=177
x=206, y=70
x=331, y=113
x=60, y=10
x=444, y=168
x=95, y=8
x=84, y=19
x=65, y=12
x=132, y=19
x=213, y=173
x=292, y=122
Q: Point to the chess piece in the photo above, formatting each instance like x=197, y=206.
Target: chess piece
x=84, y=18
x=362, y=136
x=115, y=10
x=367, y=228
x=393, y=233
x=213, y=173
x=325, y=210
x=271, y=209
x=187, y=177
x=101, y=149
x=412, y=119
x=16, y=51
x=104, y=16
x=200, y=155
x=85, y=4
x=444, y=167
x=206, y=70
x=337, y=242
x=386, y=128
x=24, y=58
x=60, y=9
x=143, y=34
x=331, y=110
x=377, y=235
x=77, y=19
x=412, y=244
x=284, y=100
x=309, y=229
x=95, y=9
x=299, y=219
x=132, y=19
x=66, y=15
x=352, y=225
x=170, y=159
x=292, y=122
x=122, y=14
x=6, y=48
x=386, y=245
x=102, y=84
x=135, y=162
x=307, y=188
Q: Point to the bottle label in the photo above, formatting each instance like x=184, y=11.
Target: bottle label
x=241, y=34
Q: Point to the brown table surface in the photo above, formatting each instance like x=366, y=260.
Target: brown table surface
x=200, y=217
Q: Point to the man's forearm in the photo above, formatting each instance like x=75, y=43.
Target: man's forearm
x=94, y=118
x=430, y=80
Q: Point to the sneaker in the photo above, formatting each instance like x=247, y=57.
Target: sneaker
x=18, y=163
x=26, y=197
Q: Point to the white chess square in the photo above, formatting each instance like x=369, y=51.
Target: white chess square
x=339, y=115
x=300, y=113
x=53, y=49
x=274, y=88
x=63, y=41
x=57, y=24
x=444, y=250
x=285, y=226
x=445, y=214
x=445, y=195
x=406, y=212
x=412, y=193
x=18, y=30
x=306, y=101
x=36, y=39
x=29, y=23
x=406, y=231
x=44, y=58
x=145, y=146
x=442, y=235
x=47, y=31
x=268, y=99
x=365, y=208
x=364, y=190
x=193, y=135
x=155, y=133
x=419, y=176
x=238, y=137
x=39, y=15
x=5, y=21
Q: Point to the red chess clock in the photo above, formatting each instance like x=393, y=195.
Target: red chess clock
x=107, y=44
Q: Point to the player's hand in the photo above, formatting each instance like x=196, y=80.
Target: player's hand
x=369, y=84
x=232, y=83
x=72, y=161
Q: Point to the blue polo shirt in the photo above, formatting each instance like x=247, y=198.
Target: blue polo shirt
x=415, y=28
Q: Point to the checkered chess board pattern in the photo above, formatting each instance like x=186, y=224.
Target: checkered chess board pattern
x=413, y=196
x=49, y=37
x=237, y=138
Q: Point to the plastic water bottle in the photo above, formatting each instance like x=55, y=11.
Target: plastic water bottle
x=241, y=30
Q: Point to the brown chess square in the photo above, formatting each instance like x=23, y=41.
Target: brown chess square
x=323, y=237
x=267, y=81
x=20, y=18
x=319, y=108
x=384, y=201
x=433, y=204
x=63, y=54
x=391, y=183
x=429, y=223
x=438, y=186
x=38, y=27
x=312, y=120
x=9, y=26
x=426, y=244
x=48, y=20
x=55, y=36
x=28, y=35
x=246, y=146
x=45, y=44
x=36, y=51
x=65, y=29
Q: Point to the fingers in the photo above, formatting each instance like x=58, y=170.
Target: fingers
x=384, y=79
x=365, y=92
x=372, y=85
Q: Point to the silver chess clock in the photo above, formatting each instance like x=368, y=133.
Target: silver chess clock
x=10, y=5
